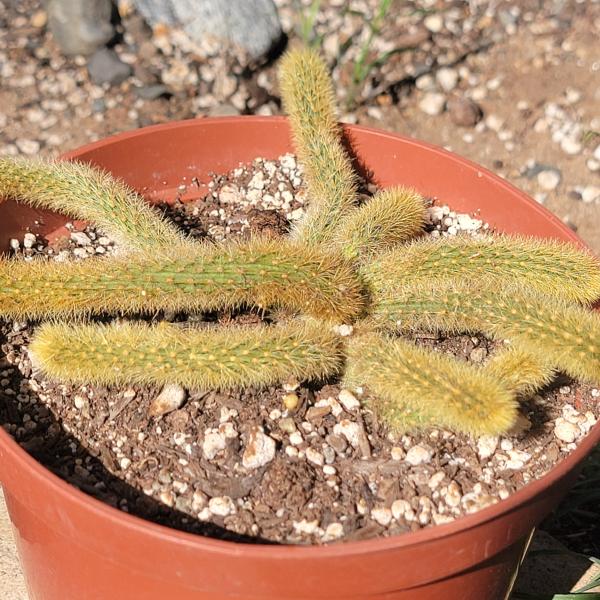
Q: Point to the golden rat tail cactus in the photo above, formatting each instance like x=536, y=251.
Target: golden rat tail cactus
x=309, y=100
x=345, y=262
x=194, y=278
x=417, y=387
x=567, y=335
x=81, y=191
x=392, y=216
x=553, y=268
x=204, y=359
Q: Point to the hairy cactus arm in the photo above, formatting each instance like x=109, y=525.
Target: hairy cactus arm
x=392, y=216
x=199, y=359
x=568, y=335
x=203, y=277
x=520, y=371
x=554, y=268
x=412, y=387
x=309, y=101
x=84, y=192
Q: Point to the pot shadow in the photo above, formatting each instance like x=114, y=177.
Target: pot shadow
x=37, y=431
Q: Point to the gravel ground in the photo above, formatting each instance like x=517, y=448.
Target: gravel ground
x=515, y=88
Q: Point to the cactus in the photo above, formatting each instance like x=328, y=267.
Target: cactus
x=209, y=358
x=309, y=100
x=553, y=268
x=392, y=216
x=568, y=335
x=344, y=264
x=197, y=277
x=81, y=191
x=417, y=387
x=520, y=371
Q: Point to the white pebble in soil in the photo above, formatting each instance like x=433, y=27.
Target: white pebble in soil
x=221, y=506
x=548, y=179
x=348, y=400
x=260, y=449
x=214, y=442
x=383, y=516
x=432, y=103
x=418, y=455
x=566, y=431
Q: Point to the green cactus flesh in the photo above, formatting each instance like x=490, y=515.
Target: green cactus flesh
x=198, y=359
x=309, y=100
x=568, y=335
x=84, y=192
x=554, y=268
x=263, y=273
x=413, y=387
x=391, y=217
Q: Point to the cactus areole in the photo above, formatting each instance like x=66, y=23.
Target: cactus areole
x=72, y=545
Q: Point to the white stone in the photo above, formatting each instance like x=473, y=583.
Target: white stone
x=213, y=443
x=570, y=146
x=28, y=146
x=348, y=400
x=425, y=83
x=350, y=430
x=229, y=194
x=486, y=446
x=434, y=22
x=124, y=463
x=314, y=457
x=494, y=122
x=221, y=506
x=29, y=240
x=436, y=479
x=345, y=330
x=548, y=179
x=566, y=431
x=171, y=397
x=260, y=449
x=447, y=78
x=591, y=193
x=305, y=527
x=593, y=165
x=333, y=531
x=329, y=470
x=432, y=103
x=79, y=402
x=296, y=438
x=451, y=494
x=400, y=508
x=81, y=238
x=418, y=455
x=383, y=516
x=228, y=430
x=397, y=453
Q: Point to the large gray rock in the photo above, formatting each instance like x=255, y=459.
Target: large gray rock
x=80, y=26
x=252, y=25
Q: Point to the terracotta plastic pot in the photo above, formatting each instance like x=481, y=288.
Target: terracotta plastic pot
x=73, y=547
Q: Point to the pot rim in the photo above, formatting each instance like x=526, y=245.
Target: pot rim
x=197, y=542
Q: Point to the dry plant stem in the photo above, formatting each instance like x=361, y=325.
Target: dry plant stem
x=414, y=387
x=391, y=217
x=520, y=371
x=200, y=359
x=554, y=268
x=568, y=335
x=309, y=100
x=81, y=191
x=262, y=273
